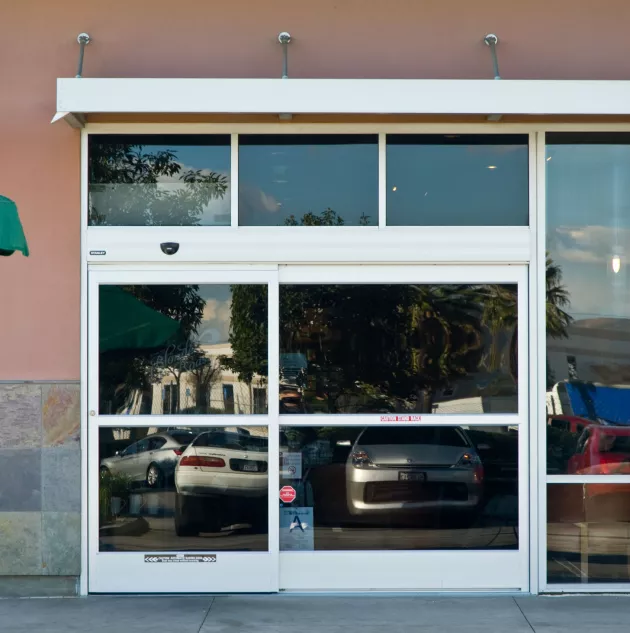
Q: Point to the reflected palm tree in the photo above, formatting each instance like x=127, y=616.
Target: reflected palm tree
x=501, y=310
x=447, y=339
x=557, y=299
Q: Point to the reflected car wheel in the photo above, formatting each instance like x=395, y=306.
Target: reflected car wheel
x=155, y=477
x=185, y=524
x=104, y=471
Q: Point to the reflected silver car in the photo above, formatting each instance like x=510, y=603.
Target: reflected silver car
x=151, y=460
x=396, y=471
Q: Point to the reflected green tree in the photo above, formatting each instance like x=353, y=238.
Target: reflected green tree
x=248, y=334
x=131, y=185
x=205, y=373
x=328, y=217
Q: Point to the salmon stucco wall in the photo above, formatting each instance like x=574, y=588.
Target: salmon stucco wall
x=39, y=163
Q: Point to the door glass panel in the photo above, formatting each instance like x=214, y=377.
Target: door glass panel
x=159, y=180
x=457, y=180
x=183, y=349
x=308, y=180
x=588, y=303
x=203, y=489
x=588, y=533
x=399, y=488
x=398, y=348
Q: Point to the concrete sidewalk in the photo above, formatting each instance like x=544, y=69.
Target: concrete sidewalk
x=306, y=614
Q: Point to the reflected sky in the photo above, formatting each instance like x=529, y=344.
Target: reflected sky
x=588, y=225
x=453, y=180
x=281, y=176
x=217, y=312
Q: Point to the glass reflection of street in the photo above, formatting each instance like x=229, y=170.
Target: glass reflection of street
x=401, y=488
x=183, y=489
x=399, y=348
x=588, y=357
x=183, y=349
x=159, y=180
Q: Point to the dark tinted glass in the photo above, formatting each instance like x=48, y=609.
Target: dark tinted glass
x=376, y=348
x=173, y=349
x=399, y=488
x=588, y=534
x=193, y=499
x=301, y=180
x=159, y=180
x=588, y=301
x=457, y=180
x=432, y=436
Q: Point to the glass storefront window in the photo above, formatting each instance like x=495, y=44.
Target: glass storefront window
x=182, y=349
x=588, y=533
x=308, y=180
x=399, y=488
x=398, y=348
x=183, y=489
x=159, y=180
x=457, y=180
x=588, y=304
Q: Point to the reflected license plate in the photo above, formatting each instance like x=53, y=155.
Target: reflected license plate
x=407, y=476
x=250, y=468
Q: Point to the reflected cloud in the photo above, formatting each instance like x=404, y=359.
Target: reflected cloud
x=253, y=199
x=589, y=244
x=215, y=327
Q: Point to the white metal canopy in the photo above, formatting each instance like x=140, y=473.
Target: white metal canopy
x=79, y=96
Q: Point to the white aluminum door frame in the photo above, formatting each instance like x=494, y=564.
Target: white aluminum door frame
x=430, y=570
x=127, y=572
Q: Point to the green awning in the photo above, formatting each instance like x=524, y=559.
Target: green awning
x=11, y=233
x=127, y=323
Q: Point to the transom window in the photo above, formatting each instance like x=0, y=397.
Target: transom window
x=307, y=180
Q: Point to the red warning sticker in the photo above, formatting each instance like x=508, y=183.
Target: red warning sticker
x=287, y=494
x=401, y=418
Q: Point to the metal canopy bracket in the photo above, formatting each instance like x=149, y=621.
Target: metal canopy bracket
x=83, y=39
x=285, y=39
x=492, y=40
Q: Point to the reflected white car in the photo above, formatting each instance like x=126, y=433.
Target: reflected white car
x=219, y=472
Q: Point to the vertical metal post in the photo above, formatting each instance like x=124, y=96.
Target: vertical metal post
x=285, y=39
x=83, y=39
x=492, y=40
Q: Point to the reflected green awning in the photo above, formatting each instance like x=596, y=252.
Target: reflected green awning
x=11, y=233
x=127, y=323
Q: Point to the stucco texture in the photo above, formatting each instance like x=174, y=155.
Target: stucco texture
x=39, y=162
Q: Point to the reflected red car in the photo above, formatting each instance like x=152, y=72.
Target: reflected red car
x=571, y=423
x=602, y=450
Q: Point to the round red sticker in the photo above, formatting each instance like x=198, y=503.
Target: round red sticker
x=287, y=494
